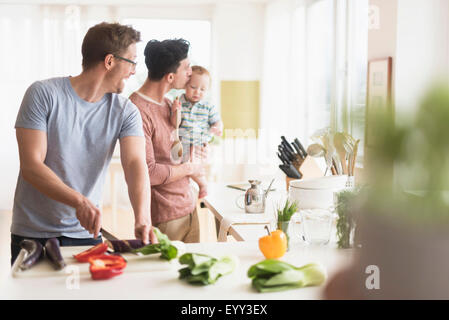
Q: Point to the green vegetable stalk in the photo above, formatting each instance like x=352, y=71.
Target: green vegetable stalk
x=203, y=269
x=345, y=222
x=274, y=275
x=164, y=247
x=284, y=214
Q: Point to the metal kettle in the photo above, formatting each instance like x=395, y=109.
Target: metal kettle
x=254, y=198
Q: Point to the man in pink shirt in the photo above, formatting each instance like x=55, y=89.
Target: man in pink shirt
x=173, y=203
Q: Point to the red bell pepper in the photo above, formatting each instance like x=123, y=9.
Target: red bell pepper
x=94, y=251
x=106, y=266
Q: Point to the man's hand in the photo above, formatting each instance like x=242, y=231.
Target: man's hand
x=89, y=216
x=145, y=233
x=199, y=154
x=175, y=118
x=196, y=169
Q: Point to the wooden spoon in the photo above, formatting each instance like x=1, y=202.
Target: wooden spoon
x=339, y=141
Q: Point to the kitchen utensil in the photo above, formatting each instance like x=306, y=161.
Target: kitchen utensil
x=354, y=156
x=298, y=150
x=269, y=188
x=108, y=235
x=315, y=150
x=304, y=153
x=339, y=141
x=287, y=153
x=254, y=198
x=283, y=159
x=287, y=145
x=284, y=153
x=294, y=172
x=290, y=171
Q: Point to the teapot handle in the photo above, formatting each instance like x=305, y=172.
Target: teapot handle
x=237, y=202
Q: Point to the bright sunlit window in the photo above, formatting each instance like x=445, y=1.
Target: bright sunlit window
x=197, y=32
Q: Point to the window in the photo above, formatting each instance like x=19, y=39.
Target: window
x=197, y=32
x=324, y=43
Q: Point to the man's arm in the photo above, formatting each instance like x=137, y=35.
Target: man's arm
x=32, y=152
x=132, y=154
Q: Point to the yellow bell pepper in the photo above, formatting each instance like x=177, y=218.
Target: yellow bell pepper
x=274, y=245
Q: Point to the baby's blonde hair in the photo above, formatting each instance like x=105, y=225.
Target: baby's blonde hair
x=200, y=70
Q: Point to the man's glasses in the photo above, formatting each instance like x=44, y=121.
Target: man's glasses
x=127, y=60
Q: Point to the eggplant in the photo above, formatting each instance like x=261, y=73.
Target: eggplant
x=34, y=252
x=125, y=245
x=53, y=253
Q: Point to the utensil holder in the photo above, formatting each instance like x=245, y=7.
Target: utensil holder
x=308, y=168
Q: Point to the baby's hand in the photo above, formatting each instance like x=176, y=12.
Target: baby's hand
x=217, y=129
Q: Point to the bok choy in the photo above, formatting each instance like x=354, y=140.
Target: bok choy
x=274, y=275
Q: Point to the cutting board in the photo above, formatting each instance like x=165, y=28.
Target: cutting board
x=135, y=263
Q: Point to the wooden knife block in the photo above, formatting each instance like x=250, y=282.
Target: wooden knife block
x=308, y=168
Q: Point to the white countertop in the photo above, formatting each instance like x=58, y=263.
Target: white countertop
x=156, y=285
x=221, y=201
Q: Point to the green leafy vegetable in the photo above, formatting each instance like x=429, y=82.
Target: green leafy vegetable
x=203, y=269
x=164, y=247
x=274, y=275
x=345, y=221
x=286, y=212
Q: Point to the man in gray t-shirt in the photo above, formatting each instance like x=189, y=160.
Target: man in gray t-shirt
x=67, y=129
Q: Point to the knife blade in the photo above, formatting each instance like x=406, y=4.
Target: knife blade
x=301, y=147
x=287, y=145
x=291, y=156
x=290, y=171
x=284, y=161
x=298, y=150
x=108, y=235
x=284, y=153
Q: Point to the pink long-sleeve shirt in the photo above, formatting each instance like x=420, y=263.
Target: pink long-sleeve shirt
x=172, y=200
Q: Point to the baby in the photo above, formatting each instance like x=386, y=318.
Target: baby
x=199, y=120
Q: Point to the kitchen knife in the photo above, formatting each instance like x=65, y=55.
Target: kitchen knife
x=298, y=150
x=284, y=161
x=290, y=155
x=301, y=147
x=287, y=145
x=285, y=154
x=108, y=235
x=290, y=171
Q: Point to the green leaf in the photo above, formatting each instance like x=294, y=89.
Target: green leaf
x=170, y=252
x=274, y=275
x=222, y=267
x=167, y=250
x=272, y=266
x=204, y=269
x=149, y=249
x=285, y=278
x=184, y=273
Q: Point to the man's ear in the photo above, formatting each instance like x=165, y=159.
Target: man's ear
x=170, y=77
x=108, y=61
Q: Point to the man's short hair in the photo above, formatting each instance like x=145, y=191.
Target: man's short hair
x=163, y=57
x=106, y=38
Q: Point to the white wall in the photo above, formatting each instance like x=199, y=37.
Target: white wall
x=422, y=49
x=382, y=38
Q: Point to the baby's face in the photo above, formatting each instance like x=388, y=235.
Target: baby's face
x=197, y=87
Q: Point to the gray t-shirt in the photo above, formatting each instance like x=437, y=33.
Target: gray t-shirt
x=81, y=137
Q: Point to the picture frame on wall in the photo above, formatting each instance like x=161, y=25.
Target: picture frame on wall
x=378, y=94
